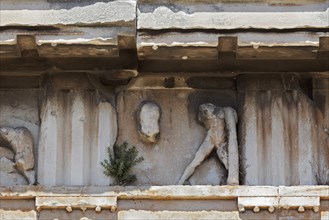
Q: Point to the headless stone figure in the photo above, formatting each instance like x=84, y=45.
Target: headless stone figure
x=221, y=136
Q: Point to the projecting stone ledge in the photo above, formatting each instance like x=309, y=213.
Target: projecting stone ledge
x=141, y=192
x=164, y=17
x=94, y=200
x=76, y=202
x=165, y=192
x=121, y=12
x=85, y=29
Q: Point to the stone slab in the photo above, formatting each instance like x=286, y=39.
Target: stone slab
x=70, y=35
x=142, y=192
x=17, y=215
x=293, y=202
x=313, y=191
x=7, y=153
x=164, y=17
x=161, y=192
x=140, y=214
x=75, y=202
x=231, y=5
x=109, y=12
x=263, y=202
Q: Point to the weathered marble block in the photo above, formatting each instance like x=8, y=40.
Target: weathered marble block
x=77, y=127
x=148, y=119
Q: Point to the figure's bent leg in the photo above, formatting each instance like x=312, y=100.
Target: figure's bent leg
x=203, y=151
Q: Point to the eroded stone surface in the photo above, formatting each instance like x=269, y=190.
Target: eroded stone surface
x=165, y=18
x=149, y=117
x=309, y=191
x=6, y=152
x=99, y=12
x=295, y=202
x=221, y=136
x=76, y=202
x=181, y=134
x=9, y=175
x=20, y=141
x=263, y=202
x=7, y=165
x=281, y=141
x=134, y=214
x=12, y=179
x=147, y=192
x=210, y=172
x=77, y=128
x=24, y=110
x=17, y=215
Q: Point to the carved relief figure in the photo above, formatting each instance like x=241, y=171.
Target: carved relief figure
x=221, y=136
x=16, y=156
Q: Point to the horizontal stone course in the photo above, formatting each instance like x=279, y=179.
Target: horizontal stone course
x=118, y=12
x=322, y=191
x=140, y=214
x=165, y=18
x=166, y=192
x=17, y=215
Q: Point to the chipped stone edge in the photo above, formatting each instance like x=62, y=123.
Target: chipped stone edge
x=248, y=197
x=17, y=214
x=76, y=202
x=142, y=214
x=165, y=192
x=164, y=18
x=302, y=191
x=121, y=12
x=134, y=192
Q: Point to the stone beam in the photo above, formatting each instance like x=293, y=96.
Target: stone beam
x=69, y=203
x=120, y=12
x=142, y=192
x=269, y=203
x=68, y=42
x=159, y=215
x=18, y=215
x=166, y=34
x=209, y=46
x=300, y=203
x=103, y=65
x=237, y=3
x=164, y=17
x=312, y=191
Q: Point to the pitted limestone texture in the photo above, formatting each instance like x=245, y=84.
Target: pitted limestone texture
x=16, y=155
x=148, y=119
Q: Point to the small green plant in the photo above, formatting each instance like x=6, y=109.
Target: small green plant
x=120, y=163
